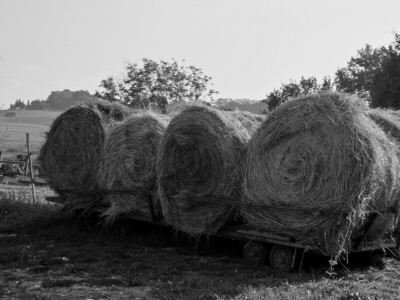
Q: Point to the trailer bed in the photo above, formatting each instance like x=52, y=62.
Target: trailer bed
x=261, y=242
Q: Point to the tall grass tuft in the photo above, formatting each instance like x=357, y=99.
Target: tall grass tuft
x=17, y=210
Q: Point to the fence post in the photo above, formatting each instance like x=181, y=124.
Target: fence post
x=30, y=168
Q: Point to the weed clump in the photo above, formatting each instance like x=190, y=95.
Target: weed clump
x=17, y=211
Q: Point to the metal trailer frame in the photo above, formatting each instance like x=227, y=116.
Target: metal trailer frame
x=281, y=250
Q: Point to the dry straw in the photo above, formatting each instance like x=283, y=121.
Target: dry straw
x=71, y=153
x=321, y=164
x=200, y=157
x=129, y=164
x=388, y=120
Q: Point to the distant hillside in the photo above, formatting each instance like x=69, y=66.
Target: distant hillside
x=62, y=100
x=57, y=100
x=254, y=106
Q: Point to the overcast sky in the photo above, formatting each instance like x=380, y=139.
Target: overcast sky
x=248, y=47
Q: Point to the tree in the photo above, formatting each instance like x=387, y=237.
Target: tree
x=36, y=105
x=109, y=90
x=19, y=104
x=374, y=74
x=385, y=89
x=357, y=76
x=158, y=84
x=293, y=89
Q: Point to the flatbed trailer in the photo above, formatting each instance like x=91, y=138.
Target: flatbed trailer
x=281, y=251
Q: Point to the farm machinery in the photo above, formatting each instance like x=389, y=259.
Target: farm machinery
x=281, y=251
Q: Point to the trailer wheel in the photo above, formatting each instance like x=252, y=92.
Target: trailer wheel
x=254, y=253
x=281, y=258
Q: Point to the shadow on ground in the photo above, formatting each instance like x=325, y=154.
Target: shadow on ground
x=67, y=258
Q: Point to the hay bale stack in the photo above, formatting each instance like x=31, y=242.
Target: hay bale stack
x=200, y=156
x=321, y=165
x=129, y=164
x=71, y=153
x=388, y=120
x=251, y=122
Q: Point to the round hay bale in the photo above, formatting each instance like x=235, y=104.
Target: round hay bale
x=320, y=165
x=110, y=112
x=129, y=164
x=388, y=120
x=200, y=157
x=251, y=122
x=71, y=153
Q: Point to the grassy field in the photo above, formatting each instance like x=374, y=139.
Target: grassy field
x=46, y=253
x=13, y=131
x=34, y=117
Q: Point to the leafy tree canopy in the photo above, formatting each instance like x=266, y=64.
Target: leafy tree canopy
x=357, y=76
x=18, y=104
x=293, y=89
x=157, y=84
x=374, y=74
x=385, y=91
x=109, y=90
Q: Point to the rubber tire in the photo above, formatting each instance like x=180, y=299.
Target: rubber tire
x=281, y=259
x=254, y=253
